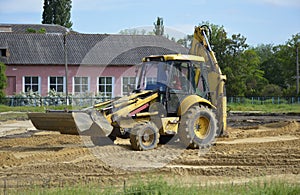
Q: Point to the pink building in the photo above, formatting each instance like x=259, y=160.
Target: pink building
x=96, y=63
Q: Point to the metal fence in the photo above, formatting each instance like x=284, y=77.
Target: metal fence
x=52, y=101
x=264, y=100
x=90, y=101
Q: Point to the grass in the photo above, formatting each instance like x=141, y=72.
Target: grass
x=20, y=112
x=159, y=186
x=4, y=108
x=267, y=108
x=232, y=106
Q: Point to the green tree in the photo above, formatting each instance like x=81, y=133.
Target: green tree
x=264, y=51
x=159, y=26
x=271, y=90
x=282, y=71
x=257, y=71
x=279, y=64
x=48, y=12
x=229, y=53
x=57, y=12
x=233, y=61
x=269, y=64
x=290, y=60
x=254, y=77
x=186, y=41
x=3, y=79
x=219, y=42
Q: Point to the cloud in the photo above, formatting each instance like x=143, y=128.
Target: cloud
x=90, y=5
x=115, y=5
x=183, y=29
x=19, y=6
x=281, y=3
x=104, y=5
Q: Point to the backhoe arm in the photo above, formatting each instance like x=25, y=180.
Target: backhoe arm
x=216, y=80
x=200, y=40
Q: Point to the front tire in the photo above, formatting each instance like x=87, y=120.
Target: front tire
x=198, y=127
x=144, y=136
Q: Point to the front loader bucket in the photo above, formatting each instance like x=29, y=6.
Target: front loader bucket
x=54, y=121
x=90, y=123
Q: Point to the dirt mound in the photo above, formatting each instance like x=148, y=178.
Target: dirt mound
x=248, y=151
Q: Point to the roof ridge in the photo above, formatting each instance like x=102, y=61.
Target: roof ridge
x=101, y=49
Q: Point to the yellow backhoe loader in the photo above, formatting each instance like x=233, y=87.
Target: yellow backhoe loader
x=181, y=95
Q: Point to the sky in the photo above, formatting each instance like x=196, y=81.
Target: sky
x=260, y=21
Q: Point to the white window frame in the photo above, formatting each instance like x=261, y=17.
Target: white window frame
x=112, y=85
x=152, y=79
x=39, y=84
x=64, y=84
x=136, y=80
x=74, y=92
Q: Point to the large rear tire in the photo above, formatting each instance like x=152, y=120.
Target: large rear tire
x=144, y=136
x=198, y=127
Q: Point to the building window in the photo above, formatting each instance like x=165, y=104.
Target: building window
x=3, y=52
x=105, y=86
x=128, y=84
x=81, y=84
x=31, y=83
x=56, y=84
x=151, y=80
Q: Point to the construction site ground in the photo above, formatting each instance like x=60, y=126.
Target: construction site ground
x=257, y=146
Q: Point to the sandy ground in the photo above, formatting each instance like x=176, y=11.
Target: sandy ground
x=257, y=147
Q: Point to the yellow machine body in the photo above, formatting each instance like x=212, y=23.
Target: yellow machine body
x=193, y=84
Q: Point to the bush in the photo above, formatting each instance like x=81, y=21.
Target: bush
x=271, y=90
x=26, y=99
x=3, y=79
x=53, y=99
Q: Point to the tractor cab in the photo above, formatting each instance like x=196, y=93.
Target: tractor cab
x=174, y=77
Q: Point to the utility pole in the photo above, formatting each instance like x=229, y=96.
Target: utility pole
x=297, y=69
x=66, y=67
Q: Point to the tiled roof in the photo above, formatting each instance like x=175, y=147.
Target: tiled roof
x=98, y=49
x=32, y=48
x=22, y=28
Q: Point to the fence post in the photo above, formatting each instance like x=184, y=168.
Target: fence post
x=124, y=186
x=4, y=186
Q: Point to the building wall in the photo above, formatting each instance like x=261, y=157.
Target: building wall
x=44, y=71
